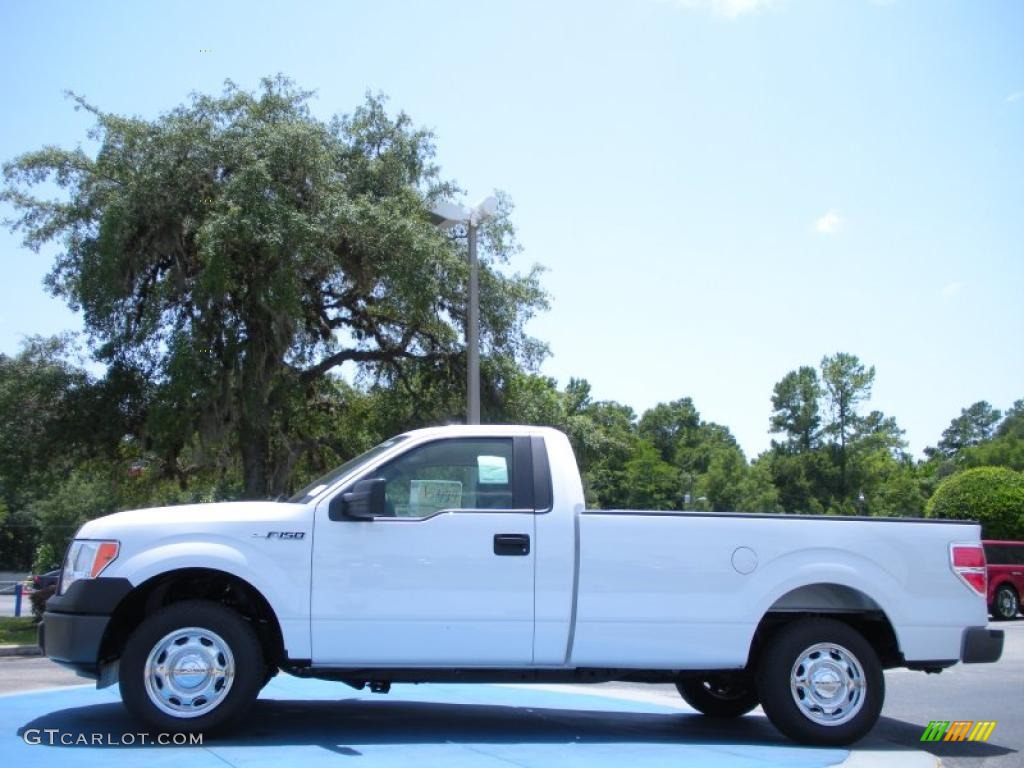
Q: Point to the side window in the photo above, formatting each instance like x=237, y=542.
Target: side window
x=1016, y=554
x=1004, y=554
x=1001, y=554
x=470, y=473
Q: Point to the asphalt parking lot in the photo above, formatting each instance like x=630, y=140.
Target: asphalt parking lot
x=313, y=722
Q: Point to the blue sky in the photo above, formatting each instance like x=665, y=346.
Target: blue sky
x=721, y=190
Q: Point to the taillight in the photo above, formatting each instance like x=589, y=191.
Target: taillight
x=967, y=559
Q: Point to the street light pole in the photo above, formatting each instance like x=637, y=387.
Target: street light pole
x=473, y=331
x=448, y=215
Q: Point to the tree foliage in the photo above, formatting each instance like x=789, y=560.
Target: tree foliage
x=974, y=425
x=85, y=494
x=795, y=408
x=650, y=481
x=994, y=496
x=54, y=417
x=1005, y=448
x=41, y=395
x=232, y=253
x=835, y=458
x=847, y=383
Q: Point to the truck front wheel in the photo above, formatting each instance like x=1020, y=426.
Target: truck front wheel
x=820, y=682
x=191, y=666
x=719, y=695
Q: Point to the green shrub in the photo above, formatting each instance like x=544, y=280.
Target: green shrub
x=994, y=496
x=47, y=558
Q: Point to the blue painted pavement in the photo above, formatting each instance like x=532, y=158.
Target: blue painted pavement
x=313, y=723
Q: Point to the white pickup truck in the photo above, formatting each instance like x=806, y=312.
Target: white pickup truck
x=467, y=554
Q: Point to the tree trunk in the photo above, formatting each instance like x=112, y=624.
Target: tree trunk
x=255, y=439
x=254, y=416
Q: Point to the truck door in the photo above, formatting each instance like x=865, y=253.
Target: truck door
x=445, y=576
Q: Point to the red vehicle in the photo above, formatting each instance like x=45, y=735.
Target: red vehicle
x=1005, y=561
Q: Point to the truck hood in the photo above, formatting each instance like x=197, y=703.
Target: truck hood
x=190, y=516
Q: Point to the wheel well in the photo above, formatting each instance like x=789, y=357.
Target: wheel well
x=195, y=584
x=834, y=601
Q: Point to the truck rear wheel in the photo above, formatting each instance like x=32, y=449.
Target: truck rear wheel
x=192, y=666
x=820, y=682
x=720, y=695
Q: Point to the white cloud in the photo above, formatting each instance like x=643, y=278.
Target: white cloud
x=952, y=289
x=730, y=9
x=829, y=223
x=1015, y=96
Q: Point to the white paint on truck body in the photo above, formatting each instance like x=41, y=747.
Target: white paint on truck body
x=597, y=589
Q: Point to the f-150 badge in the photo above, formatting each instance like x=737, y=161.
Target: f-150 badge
x=295, y=535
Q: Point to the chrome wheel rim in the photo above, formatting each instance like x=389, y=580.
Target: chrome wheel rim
x=1007, y=602
x=189, y=672
x=828, y=684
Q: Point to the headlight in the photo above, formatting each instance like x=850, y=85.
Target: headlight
x=86, y=559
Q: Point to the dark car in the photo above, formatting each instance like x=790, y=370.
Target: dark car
x=44, y=580
x=1005, y=562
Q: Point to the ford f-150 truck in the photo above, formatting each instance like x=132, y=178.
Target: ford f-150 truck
x=467, y=554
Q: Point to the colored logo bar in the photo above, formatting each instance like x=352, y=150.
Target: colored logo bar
x=958, y=730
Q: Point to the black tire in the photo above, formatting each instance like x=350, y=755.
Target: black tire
x=826, y=715
x=1005, y=604
x=720, y=695
x=269, y=674
x=230, y=694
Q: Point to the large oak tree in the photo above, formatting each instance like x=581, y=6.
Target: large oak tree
x=232, y=253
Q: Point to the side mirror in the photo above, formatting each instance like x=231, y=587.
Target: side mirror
x=364, y=502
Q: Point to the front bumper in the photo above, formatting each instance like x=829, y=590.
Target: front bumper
x=981, y=645
x=75, y=623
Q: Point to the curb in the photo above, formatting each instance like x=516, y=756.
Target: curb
x=20, y=650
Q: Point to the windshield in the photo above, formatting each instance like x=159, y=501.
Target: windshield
x=349, y=466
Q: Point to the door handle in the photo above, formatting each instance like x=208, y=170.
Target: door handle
x=514, y=544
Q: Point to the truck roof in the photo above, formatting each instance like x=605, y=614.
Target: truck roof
x=480, y=430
